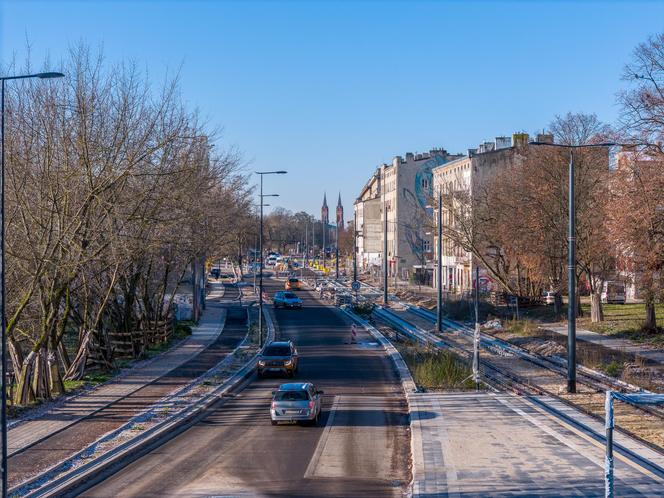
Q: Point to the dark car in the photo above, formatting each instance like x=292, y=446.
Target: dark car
x=215, y=273
x=278, y=357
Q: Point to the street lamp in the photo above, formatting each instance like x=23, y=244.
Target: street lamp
x=571, y=262
x=3, y=360
x=336, y=250
x=260, y=237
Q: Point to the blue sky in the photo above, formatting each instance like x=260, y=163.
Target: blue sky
x=328, y=90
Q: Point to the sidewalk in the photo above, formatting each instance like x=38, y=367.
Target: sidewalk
x=621, y=345
x=25, y=433
x=480, y=444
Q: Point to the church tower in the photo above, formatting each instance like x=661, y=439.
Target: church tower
x=325, y=212
x=340, y=214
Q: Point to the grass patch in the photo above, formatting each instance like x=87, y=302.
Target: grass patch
x=625, y=321
x=613, y=368
x=525, y=327
x=73, y=385
x=182, y=329
x=436, y=370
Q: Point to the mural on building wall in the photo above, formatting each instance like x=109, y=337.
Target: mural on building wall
x=419, y=197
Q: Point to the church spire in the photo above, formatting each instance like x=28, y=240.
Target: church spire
x=324, y=211
x=340, y=214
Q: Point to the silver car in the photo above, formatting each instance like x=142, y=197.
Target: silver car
x=296, y=402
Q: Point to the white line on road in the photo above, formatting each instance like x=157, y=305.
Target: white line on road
x=311, y=468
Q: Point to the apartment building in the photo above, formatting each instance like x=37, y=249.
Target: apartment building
x=399, y=191
x=463, y=176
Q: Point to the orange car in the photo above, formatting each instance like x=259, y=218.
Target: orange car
x=293, y=284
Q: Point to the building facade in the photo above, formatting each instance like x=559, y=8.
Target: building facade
x=394, y=205
x=461, y=178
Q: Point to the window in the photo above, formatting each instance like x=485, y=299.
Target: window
x=427, y=246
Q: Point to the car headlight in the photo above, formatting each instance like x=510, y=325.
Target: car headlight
x=288, y=363
x=261, y=363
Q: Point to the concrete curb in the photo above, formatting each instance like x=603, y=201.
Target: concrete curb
x=89, y=474
x=409, y=387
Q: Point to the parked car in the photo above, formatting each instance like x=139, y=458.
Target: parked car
x=286, y=299
x=293, y=284
x=549, y=297
x=299, y=402
x=278, y=357
x=613, y=292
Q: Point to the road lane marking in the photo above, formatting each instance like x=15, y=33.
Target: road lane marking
x=313, y=463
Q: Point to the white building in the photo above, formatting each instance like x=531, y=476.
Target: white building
x=402, y=190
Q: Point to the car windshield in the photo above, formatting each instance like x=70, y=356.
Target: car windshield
x=277, y=351
x=289, y=295
x=293, y=280
x=291, y=396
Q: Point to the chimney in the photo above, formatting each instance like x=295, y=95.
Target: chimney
x=503, y=143
x=520, y=139
x=409, y=156
x=547, y=138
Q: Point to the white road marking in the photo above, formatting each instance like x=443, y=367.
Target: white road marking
x=322, y=441
x=548, y=430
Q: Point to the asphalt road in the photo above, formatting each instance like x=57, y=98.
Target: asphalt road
x=360, y=448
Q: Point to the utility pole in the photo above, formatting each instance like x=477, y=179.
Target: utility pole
x=476, y=335
x=354, y=247
x=336, y=247
x=306, y=247
x=313, y=240
x=260, y=238
x=439, y=269
x=571, y=260
x=324, y=224
x=571, y=283
x=260, y=275
x=194, y=290
x=385, y=255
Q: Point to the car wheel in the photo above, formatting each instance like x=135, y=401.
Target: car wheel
x=259, y=374
x=274, y=422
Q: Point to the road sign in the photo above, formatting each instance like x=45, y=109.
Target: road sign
x=355, y=285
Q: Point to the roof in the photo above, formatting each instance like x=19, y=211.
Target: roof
x=294, y=386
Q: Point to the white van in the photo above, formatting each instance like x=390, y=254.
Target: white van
x=613, y=292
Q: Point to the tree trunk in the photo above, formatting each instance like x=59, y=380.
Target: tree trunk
x=23, y=393
x=55, y=385
x=596, y=309
x=651, y=320
x=77, y=367
x=557, y=304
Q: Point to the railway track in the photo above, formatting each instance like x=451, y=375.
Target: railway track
x=505, y=366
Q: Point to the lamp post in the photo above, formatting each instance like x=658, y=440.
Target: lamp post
x=336, y=250
x=385, y=255
x=260, y=237
x=439, y=267
x=3, y=315
x=354, y=247
x=571, y=262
